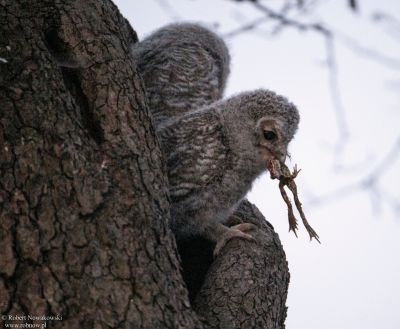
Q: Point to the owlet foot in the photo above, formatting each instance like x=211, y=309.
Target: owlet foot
x=237, y=231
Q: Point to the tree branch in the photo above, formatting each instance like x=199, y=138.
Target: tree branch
x=246, y=286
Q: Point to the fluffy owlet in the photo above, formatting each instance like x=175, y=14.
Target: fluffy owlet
x=184, y=67
x=214, y=154
x=213, y=149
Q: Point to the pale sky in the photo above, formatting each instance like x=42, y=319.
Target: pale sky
x=351, y=280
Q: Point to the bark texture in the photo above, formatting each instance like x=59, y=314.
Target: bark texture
x=247, y=286
x=83, y=195
x=84, y=210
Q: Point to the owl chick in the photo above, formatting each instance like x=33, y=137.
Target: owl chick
x=215, y=153
x=184, y=67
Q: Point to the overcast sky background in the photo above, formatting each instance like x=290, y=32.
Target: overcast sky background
x=351, y=280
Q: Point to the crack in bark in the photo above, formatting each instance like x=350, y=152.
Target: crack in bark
x=70, y=70
x=73, y=84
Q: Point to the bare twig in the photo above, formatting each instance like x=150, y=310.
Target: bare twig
x=286, y=21
x=372, y=54
x=246, y=27
x=286, y=10
x=353, y=5
x=390, y=23
x=370, y=181
x=254, y=24
x=340, y=113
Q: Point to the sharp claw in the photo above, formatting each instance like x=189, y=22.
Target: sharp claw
x=233, y=232
x=244, y=227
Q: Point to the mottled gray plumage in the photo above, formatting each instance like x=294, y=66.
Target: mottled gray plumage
x=215, y=153
x=213, y=149
x=184, y=66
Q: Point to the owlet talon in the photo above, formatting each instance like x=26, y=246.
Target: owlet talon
x=233, y=232
x=244, y=227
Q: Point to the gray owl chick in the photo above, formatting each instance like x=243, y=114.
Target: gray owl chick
x=215, y=153
x=184, y=67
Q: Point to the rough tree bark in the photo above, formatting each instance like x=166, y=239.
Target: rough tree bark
x=83, y=195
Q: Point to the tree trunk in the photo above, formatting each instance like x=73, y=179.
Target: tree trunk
x=247, y=286
x=83, y=194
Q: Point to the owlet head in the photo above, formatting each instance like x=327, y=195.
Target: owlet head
x=266, y=122
x=270, y=139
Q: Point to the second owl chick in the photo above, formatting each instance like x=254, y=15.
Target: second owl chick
x=214, y=154
x=184, y=66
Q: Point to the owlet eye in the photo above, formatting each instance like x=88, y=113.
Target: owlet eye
x=269, y=135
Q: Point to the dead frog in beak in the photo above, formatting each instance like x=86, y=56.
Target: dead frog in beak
x=279, y=170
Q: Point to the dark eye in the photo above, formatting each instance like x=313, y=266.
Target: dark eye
x=269, y=135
